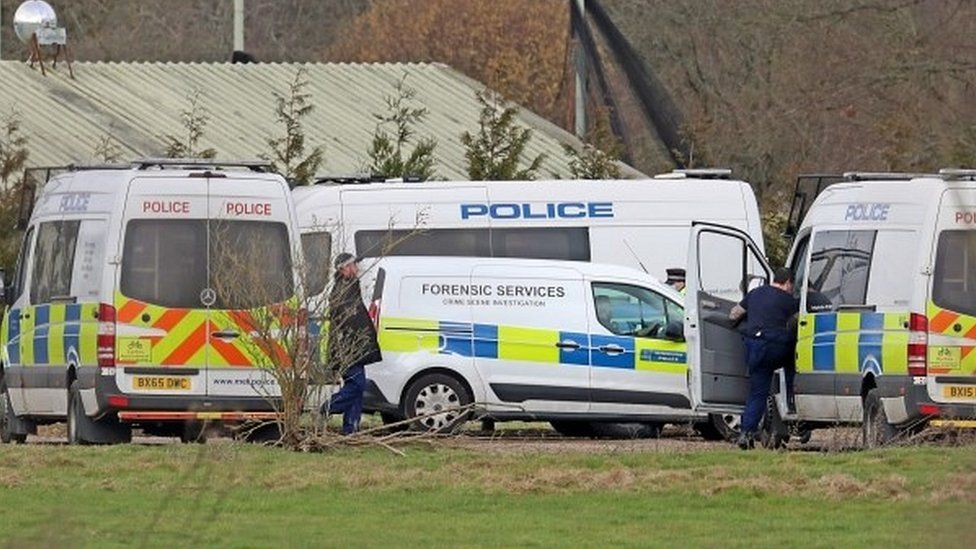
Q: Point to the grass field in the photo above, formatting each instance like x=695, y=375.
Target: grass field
x=241, y=495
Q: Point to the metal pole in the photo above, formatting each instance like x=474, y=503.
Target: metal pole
x=238, y=25
x=580, y=95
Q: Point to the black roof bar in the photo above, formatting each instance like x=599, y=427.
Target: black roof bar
x=883, y=176
x=259, y=166
x=359, y=179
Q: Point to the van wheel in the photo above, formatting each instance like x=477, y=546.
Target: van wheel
x=390, y=418
x=76, y=415
x=8, y=420
x=720, y=427
x=773, y=432
x=874, y=426
x=433, y=393
x=625, y=430
x=575, y=429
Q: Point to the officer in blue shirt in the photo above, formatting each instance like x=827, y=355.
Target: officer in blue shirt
x=767, y=314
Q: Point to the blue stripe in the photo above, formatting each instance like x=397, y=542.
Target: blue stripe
x=580, y=356
x=869, y=345
x=872, y=321
x=13, y=336
x=485, y=341
x=457, y=338
x=40, y=345
x=622, y=360
x=824, y=323
x=42, y=315
x=823, y=352
x=72, y=313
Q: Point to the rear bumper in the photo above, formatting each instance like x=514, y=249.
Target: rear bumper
x=918, y=405
x=143, y=407
x=374, y=401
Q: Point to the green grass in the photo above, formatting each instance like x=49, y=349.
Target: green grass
x=241, y=495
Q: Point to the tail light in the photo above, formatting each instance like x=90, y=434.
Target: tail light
x=918, y=344
x=374, y=312
x=106, y=336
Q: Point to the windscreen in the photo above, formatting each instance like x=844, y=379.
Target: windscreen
x=954, y=284
x=165, y=262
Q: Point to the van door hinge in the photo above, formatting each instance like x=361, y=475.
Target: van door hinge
x=927, y=270
x=115, y=260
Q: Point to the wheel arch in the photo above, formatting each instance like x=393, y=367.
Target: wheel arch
x=434, y=370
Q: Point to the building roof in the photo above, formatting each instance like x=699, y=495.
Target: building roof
x=137, y=104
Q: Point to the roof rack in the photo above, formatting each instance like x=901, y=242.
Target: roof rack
x=697, y=173
x=360, y=179
x=883, y=176
x=259, y=166
x=957, y=173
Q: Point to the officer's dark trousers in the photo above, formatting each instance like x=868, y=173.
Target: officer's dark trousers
x=348, y=401
x=763, y=357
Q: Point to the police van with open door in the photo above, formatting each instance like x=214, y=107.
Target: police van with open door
x=886, y=335
x=641, y=224
x=130, y=301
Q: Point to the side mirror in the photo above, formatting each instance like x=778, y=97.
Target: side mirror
x=675, y=331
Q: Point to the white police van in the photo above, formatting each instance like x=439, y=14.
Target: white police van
x=123, y=309
x=585, y=346
x=887, y=329
x=641, y=224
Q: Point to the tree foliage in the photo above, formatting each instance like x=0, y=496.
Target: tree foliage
x=287, y=155
x=194, y=120
x=517, y=47
x=600, y=155
x=386, y=152
x=495, y=152
x=13, y=147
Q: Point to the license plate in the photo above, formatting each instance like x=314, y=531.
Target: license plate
x=959, y=391
x=161, y=383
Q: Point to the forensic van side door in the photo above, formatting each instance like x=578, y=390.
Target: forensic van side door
x=723, y=265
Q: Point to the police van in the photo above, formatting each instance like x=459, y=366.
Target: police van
x=641, y=224
x=886, y=336
x=585, y=346
x=127, y=306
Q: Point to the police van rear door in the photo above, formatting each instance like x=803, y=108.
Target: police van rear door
x=253, y=322
x=723, y=265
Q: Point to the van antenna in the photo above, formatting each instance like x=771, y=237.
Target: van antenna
x=639, y=262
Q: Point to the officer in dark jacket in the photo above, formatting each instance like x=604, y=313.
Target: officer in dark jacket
x=769, y=336
x=352, y=343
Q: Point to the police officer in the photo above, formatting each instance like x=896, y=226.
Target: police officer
x=676, y=279
x=352, y=343
x=768, y=313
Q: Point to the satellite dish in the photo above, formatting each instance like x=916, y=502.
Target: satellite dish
x=32, y=16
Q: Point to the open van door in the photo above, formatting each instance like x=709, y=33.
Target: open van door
x=723, y=265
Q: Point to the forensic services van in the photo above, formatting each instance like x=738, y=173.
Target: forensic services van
x=886, y=336
x=585, y=346
x=642, y=224
x=133, y=295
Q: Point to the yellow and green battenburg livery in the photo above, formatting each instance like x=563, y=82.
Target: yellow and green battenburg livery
x=51, y=334
x=515, y=343
x=852, y=342
x=951, y=359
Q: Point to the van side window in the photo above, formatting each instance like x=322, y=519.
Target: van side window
x=86, y=279
x=447, y=242
x=563, y=243
x=627, y=310
x=54, y=261
x=317, y=250
x=839, y=269
x=23, y=260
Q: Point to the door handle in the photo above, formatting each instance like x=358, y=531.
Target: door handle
x=569, y=345
x=226, y=334
x=611, y=349
x=803, y=323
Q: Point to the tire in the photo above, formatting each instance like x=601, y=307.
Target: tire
x=193, y=433
x=7, y=419
x=574, y=429
x=76, y=415
x=391, y=418
x=720, y=427
x=773, y=432
x=432, y=393
x=876, y=430
x=625, y=430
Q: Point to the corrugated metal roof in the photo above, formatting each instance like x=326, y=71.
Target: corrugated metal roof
x=139, y=103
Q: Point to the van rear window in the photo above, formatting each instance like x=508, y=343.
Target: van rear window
x=165, y=262
x=954, y=285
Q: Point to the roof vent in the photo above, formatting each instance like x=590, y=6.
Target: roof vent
x=957, y=173
x=697, y=173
